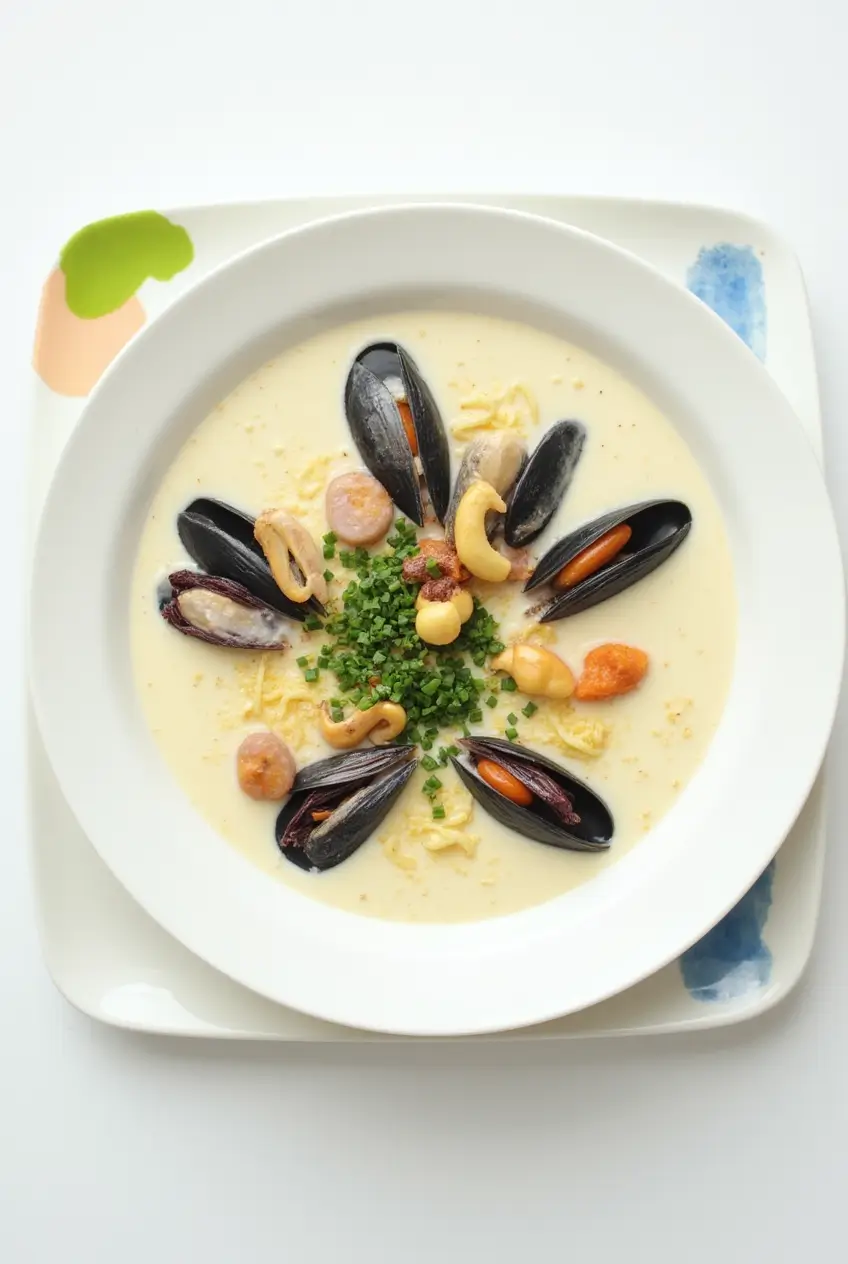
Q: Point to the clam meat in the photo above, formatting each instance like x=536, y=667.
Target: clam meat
x=222, y=612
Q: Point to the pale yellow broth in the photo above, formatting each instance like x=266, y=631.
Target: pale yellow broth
x=277, y=440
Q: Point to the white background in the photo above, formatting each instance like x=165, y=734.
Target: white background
x=728, y=1145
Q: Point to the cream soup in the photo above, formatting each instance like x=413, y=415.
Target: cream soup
x=276, y=441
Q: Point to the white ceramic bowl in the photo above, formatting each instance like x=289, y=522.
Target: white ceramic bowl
x=636, y=915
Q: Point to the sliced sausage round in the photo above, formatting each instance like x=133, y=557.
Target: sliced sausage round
x=359, y=509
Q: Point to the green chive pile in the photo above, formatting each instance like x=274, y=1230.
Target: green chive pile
x=375, y=653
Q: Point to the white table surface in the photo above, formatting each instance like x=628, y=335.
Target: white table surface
x=728, y=1145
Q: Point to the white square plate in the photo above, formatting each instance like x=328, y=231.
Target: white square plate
x=109, y=959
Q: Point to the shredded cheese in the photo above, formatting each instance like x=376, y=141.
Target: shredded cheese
x=502, y=408
x=391, y=846
x=279, y=698
x=417, y=825
x=558, y=725
x=313, y=481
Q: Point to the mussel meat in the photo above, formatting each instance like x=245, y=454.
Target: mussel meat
x=544, y=801
x=496, y=459
x=545, y=480
x=653, y=530
x=394, y=419
x=222, y=612
x=220, y=539
x=337, y=803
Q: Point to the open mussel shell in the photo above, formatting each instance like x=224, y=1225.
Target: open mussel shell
x=541, y=488
x=222, y=612
x=658, y=526
x=550, y=784
x=357, y=788
x=379, y=376
x=220, y=539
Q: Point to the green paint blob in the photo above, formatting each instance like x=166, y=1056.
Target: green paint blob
x=106, y=262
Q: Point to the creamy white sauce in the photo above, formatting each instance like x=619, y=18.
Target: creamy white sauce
x=276, y=441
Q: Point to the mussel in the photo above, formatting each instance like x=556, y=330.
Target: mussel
x=539, y=491
x=384, y=392
x=548, y=804
x=220, y=539
x=338, y=802
x=651, y=531
x=222, y=612
x=497, y=459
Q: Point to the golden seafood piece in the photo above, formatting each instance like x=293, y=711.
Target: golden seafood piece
x=536, y=670
x=283, y=539
x=438, y=622
x=382, y=722
x=472, y=543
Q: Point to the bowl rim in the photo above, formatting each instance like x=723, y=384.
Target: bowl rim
x=238, y=928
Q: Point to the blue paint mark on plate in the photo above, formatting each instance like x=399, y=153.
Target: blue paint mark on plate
x=732, y=959
x=729, y=279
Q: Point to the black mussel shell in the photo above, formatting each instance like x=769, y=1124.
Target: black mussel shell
x=375, y=377
x=378, y=433
x=271, y=621
x=659, y=527
x=544, y=820
x=355, y=811
x=433, y=447
x=220, y=539
x=540, y=489
x=363, y=764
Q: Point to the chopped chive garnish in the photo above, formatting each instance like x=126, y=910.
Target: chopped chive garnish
x=529, y=710
x=329, y=576
x=375, y=653
x=511, y=733
x=330, y=537
x=303, y=661
x=512, y=718
x=491, y=701
x=508, y=685
x=433, y=568
x=311, y=674
x=438, y=812
x=429, y=763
